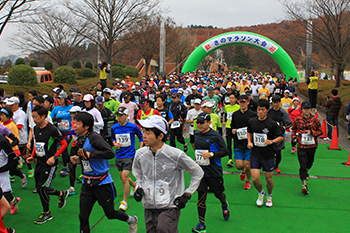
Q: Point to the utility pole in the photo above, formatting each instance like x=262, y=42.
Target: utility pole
x=308, y=49
x=162, y=49
x=98, y=38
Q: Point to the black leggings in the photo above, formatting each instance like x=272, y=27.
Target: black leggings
x=16, y=172
x=278, y=156
x=178, y=134
x=201, y=206
x=8, y=196
x=229, y=142
x=104, y=196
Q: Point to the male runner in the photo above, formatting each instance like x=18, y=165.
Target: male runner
x=158, y=169
x=263, y=133
x=210, y=147
x=47, y=161
x=239, y=126
x=123, y=138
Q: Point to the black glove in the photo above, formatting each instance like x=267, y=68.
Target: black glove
x=181, y=201
x=138, y=194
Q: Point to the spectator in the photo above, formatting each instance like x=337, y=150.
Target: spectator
x=312, y=88
x=333, y=106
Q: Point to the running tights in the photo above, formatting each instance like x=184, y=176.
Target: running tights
x=278, y=158
x=44, y=193
x=201, y=206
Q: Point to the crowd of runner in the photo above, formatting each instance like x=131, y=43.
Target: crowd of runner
x=243, y=116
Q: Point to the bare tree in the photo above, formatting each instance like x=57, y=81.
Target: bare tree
x=12, y=10
x=180, y=45
x=143, y=38
x=111, y=19
x=330, y=26
x=49, y=34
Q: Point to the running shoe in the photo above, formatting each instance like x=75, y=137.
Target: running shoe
x=305, y=190
x=132, y=191
x=71, y=191
x=20, y=163
x=260, y=200
x=226, y=212
x=247, y=185
x=12, y=179
x=278, y=170
x=200, y=228
x=294, y=150
x=62, y=199
x=242, y=175
x=80, y=178
x=230, y=163
x=64, y=172
x=268, y=201
x=43, y=218
x=133, y=224
x=123, y=205
x=185, y=147
x=35, y=190
x=30, y=173
x=10, y=230
x=327, y=139
x=14, y=205
x=24, y=181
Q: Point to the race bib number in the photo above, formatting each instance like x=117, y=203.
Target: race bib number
x=159, y=191
x=151, y=97
x=229, y=116
x=307, y=139
x=199, y=158
x=242, y=133
x=40, y=149
x=192, y=102
x=175, y=125
x=63, y=125
x=262, y=94
x=86, y=165
x=285, y=105
x=123, y=139
x=227, y=99
x=259, y=139
x=191, y=130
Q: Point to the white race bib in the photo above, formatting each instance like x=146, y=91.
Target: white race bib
x=199, y=158
x=123, y=139
x=227, y=99
x=307, y=139
x=159, y=191
x=242, y=133
x=175, y=124
x=259, y=139
x=262, y=94
x=285, y=106
x=86, y=165
x=191, y=130
x=63, y=125
x=151, y=97
x=40, y=149
x=229, y=116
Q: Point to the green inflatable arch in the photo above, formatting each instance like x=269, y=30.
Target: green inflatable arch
x=242, y=38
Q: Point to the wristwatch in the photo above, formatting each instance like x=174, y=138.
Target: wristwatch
x=211, y=154
x=273, y=141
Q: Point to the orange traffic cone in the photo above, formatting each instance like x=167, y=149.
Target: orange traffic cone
x=347, y=163
x=324, y=129
x=334, y=142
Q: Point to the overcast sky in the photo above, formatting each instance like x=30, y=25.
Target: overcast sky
x=218, y=13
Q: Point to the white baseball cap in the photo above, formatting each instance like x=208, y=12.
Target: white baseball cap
x=75, y=109
x=155, y=121
x=12, y=100
x=207, y=104
x=88, y=97
x=194, y=87
x=197, y=101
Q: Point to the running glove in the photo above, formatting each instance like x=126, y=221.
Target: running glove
x=82, y=154
x=138, y=194
x=181, y=201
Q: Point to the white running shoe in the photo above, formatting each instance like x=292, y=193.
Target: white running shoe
x=20, y=164
x=123, y=205
x=133, y=225
x=71, y=191
x=24, y=181
x=268, y=201
x=260, y=200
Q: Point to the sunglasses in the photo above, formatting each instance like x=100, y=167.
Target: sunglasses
x=200, y=122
